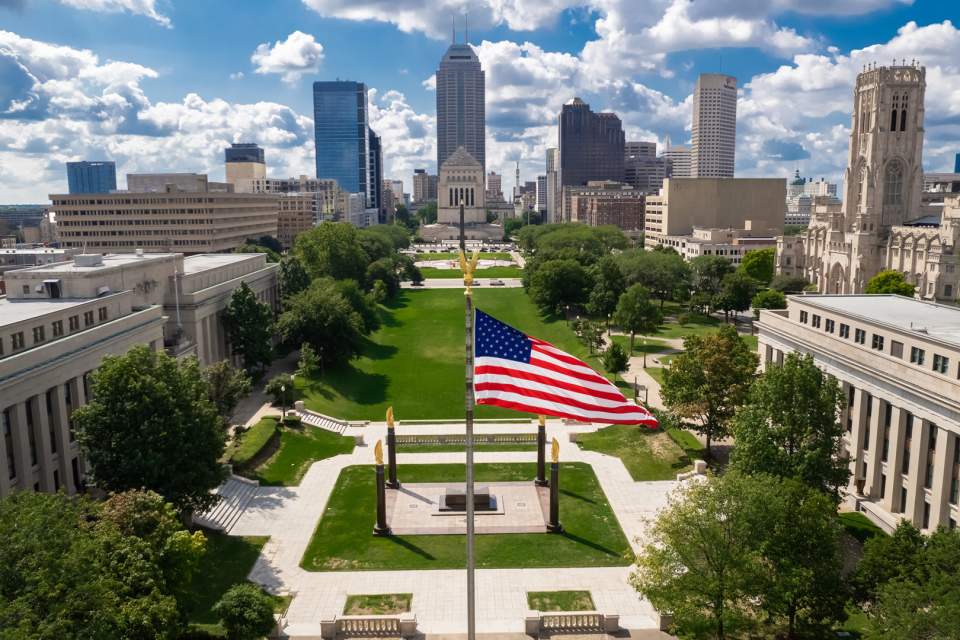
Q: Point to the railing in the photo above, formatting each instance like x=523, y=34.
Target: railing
x=403, y=625
x=571, y=622
x=453, y=438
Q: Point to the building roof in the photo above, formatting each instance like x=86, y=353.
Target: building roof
x=460, y=158
x=14, y=311
x=937, y=321
x=925, y=221
x=109, y=261
x=206, y=261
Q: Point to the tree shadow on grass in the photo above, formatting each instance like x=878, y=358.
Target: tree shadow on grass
x=377, y=351
x=590, y=543
x=409, y=546
x=351, y=384
x=577, y=496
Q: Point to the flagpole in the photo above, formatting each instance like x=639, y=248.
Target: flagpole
x=469, y=399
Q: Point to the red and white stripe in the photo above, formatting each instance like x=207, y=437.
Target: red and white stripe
x=554, y=383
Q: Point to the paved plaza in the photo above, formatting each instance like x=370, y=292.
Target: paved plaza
x=289, y=516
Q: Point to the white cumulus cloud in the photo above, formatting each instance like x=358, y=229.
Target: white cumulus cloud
x=299, y=54
x=146, y=8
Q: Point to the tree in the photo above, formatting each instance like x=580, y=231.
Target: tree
x=511, y=226
x=246, y=612
x=886, y=558
x=662, y=272
x=401, y=216
x=768, y=299
x=709, y=380
x=636, y=314
x=608, y=285
x=293, y=277
x=707, y=273
x=226, y=386
x=794, y=229
x=558, y=283
x=615, y=359
x=924, y=603
x=249, y=325
x=151, y=424
x=759, y=264
x=325, y=317
x=385, y=271
x=790, y=426
x=590, y=334
x=332, y=249
x=736, y=291
x=890, y=281
x=281, y=388
x=308, y=363
x=427, y=214
x=69, y=574
x=788, y=284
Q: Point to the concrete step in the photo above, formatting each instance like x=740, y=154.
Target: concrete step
x=235, y=494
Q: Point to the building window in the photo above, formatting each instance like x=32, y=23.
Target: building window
x=926, y=514
x=931, y=450
x=859, y=336
x=844, y=330
x=26, y=289
x=803, y=317
x=940, y=363
x=829, y=326
x=893, y=183
x=883, y=486
x=58, y=328
x=102, y=313
x=74, y=323
x=877, y=342
x=907, y=439
x=8, y=443
x=17, y=340
x=87, y=318
x=39, y=334
x=816, y=321
x=896, y=349
x=917, y=355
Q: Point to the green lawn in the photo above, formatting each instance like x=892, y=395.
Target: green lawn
x=656, y=373
x=343, y=540
x=751, y=341
x=696, y=325
x=859, y=526
x=560, y=601
x=489, y=272
x=251, y=441
x=226, y=563
x=651, y=346
x=647, y=454
x=299, y=448
x=382, y=604
x=415, y=361
x=450, y=255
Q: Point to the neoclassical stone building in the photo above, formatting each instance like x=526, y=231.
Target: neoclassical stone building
x=461, y=180
x=880, y=224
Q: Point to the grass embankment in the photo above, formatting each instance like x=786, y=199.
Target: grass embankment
x=299, y=448
x=343, y=540
x=647, y=454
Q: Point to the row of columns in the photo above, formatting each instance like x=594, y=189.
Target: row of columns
x=467, y=194
x=45, y=438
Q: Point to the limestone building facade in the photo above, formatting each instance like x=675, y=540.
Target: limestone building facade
x=461, y=179
x=881, y=223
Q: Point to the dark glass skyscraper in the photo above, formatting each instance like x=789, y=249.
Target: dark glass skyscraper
x=591, y=145
x=341, y=134
x=461, y=109
x=375, y=177
x=243, y=152
x=91, y=177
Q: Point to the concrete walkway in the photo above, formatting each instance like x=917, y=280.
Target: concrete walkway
x=289, y=516
x=457, y=283
x=257, y=404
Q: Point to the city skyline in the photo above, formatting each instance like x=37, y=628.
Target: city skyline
x=73, y=95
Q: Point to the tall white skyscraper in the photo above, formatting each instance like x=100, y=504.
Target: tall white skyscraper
x=461, y=115
x=714, y=126
x=553, y=185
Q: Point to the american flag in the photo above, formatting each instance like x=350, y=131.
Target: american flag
x=517, y=371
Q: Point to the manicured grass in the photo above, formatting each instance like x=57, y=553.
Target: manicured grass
x=226, y=563
x=651, y=345
x=343, y=540
x=750, y=340
x=560, y=601
x=250, y=442
x=656, y=373
x=489, y=272
x=647, y=454
x=688, y=442
x=383, y=604
x=299, y=448
x=450, y=255
x=859, y=526
x=415, y=362
x=444, y=448
x=696, y=325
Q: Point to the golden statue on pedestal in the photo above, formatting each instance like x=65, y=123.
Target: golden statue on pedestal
x=390, y=417
x=468, y=268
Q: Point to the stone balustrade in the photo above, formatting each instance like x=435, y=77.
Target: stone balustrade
x=403, y=625
x=538, y=622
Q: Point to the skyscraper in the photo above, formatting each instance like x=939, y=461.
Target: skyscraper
x=91, y=177
x=541, y=193
x=591, y=146
x=342, y=135
x=642, y=168
x=244, y=161
x=460, y=105
x=956, y=163
x=714, y=135
x=424, y=186
x=553, y=184
x=375, y=177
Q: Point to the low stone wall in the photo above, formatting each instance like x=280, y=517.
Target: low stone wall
x=403, y=625
x=537, y=622
x=460, y=439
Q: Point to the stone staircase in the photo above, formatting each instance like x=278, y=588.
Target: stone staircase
x=235, y=494
x=321, y=421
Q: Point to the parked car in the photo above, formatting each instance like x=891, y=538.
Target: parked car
x=496, y=283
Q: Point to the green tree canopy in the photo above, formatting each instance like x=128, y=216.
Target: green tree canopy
x=324, y=317
x=249, y=325
x=709, y=380
x=293, y=276
x=890, y=281
x=427, y=214
x=332, y=249
x=707, y=273
x=887, y=558
x=615, y=359
x=558, y=283
x=736, y=291
x=384, y=270
x=272, y=256
x=246, y=612
x=769, y=299
x=790, y=426
x=150, y=424
x=281, y=388
x=636, y=313
x=759, y=264
x=608, y=285
x=788, y=284
x=662, y=272
x=226, y=386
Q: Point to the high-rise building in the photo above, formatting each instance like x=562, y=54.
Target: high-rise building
x=342, y=135
x=553, y=184
x=677, y=162
x=714, y=134
x=424, y=186
x=375, y=177
x=461, y=114
x=244, y=161
x=541, y=193
x=91, y=176
x=591, y=146
x=599, y=203
x=642, y=169
x=461, y=181
x=956, y=163
x=494, y=187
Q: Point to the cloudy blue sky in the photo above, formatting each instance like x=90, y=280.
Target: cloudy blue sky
x=166, y=84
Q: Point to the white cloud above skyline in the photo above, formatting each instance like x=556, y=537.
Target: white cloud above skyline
x=146, y=8
x=291, y=59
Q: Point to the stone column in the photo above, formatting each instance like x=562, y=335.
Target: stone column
x=381, y=528
x=21, y=447
x=873, y=454
x=541, y=480
x=4, y=470
x=895, y=460
x=63, y=439
x=940, y=498
x=859, y=415
x=913, y=510
x=393, y=483
x=41, y=424
x=554, y=525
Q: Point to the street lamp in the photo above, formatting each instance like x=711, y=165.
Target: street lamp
x=643, y=345
x=283, y=401
x=609, y=318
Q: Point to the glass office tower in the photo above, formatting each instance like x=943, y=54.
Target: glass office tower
x=91, y=177
x=341, y=134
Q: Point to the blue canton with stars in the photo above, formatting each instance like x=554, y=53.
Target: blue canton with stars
x=494, y=339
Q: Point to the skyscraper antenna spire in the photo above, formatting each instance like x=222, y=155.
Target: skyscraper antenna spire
x=466, y=28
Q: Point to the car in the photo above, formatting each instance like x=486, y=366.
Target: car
x=416, y=284
x=496, y=283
